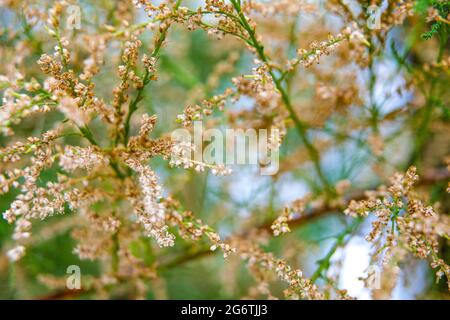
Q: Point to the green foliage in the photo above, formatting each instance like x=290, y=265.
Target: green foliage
x=438, y=28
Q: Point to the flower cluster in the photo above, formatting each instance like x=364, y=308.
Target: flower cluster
x=316, y=49
x=299, y=287
x=181, y=156
x=403, y=221
x=150, y=209
x=296, y=208
x=85, y=158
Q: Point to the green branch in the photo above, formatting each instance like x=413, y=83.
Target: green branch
x=299, y=124
x=146, y=79
x=340, y=240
